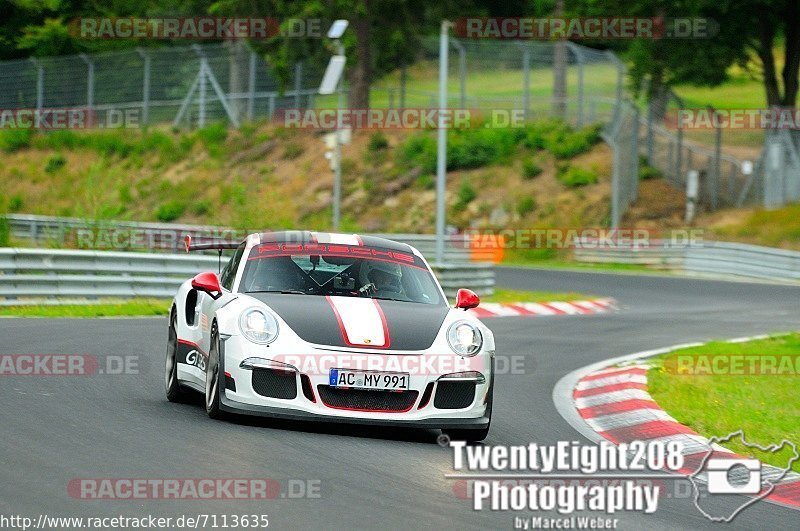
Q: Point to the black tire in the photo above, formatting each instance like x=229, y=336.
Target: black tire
x=213, y=378
x=175, y=393
x=478, y=434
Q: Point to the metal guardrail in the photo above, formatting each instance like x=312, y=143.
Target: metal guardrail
x=169, y=236
x=53, y=274
x=708, y=258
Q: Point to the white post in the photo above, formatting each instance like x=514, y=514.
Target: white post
x=692, y=189
x=441, y=147
x=337, y=168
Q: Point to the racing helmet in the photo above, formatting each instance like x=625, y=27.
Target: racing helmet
x=384, y=275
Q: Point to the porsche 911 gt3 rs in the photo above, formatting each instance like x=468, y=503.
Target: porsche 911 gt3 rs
x=331, y=327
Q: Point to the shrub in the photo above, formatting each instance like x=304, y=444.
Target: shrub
x=15, y=139
x=419, y=150
x=215, y=133
x=466, y=194
x=170, y=211
x=55, y=163
x=292, y=150
x=573, y=176
x=201, y=208
x=530, y=169
x=377, y=142
x=526, y=205
x=646, y=171
x=16, y=203
x=5, y=232
x=426, y=181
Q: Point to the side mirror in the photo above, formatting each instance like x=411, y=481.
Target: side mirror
x=208, y=283
x=466, y=299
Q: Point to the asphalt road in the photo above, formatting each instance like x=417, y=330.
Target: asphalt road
x=56, y=429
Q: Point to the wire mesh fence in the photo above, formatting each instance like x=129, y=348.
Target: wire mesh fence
x=184, y=85
x=194, y=85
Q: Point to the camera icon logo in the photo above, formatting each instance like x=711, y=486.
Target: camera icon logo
x=734, y=476
x=744, y=479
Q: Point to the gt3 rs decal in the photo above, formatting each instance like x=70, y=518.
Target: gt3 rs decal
x=361, y=322
x=190, y=354
x=409, y=326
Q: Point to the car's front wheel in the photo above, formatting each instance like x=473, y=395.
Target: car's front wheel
x=213, y=377
x=175, y=393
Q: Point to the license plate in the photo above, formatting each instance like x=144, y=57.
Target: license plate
x=371, y=380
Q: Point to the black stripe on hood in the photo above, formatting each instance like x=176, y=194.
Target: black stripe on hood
x=412, y=326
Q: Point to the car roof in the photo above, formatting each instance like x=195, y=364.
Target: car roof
x=304, y=236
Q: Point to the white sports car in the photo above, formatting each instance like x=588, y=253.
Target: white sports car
x=331, y=327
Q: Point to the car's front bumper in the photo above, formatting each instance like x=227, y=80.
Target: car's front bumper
x=422, y=413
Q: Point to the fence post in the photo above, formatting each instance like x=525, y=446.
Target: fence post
x=201, y=113
x=615, y=182
x=298, y=83
x=717, y=154
x=635, y=156
x=251, y=86
x=39, y=84
x=679, y=153
x=462, y=73
x=526, y=80
x=650, y=139
x=89, y=81
x=145, y=86
x=403, y=75
x=579, y=61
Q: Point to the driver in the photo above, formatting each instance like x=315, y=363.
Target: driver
x=383, y=278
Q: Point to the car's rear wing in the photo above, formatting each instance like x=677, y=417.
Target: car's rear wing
x=218, y=245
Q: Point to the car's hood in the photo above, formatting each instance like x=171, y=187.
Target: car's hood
x=358, y=322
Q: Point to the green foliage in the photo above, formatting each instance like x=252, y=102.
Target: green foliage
x=292, y=150
x=466, y=194
x=526, y=205
x=530, y=169
x=124, y=194
x=483, y=146
x=213, y=138
x=573, y=176
x=426, y=181
x=377, y=142
x=16, y=203
x=12, y=140
x=55, y=163
x=5, y=232
x=170, y=211
x=646, y=171
x=201, y=208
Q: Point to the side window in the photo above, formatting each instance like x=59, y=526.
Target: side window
x=229, y=273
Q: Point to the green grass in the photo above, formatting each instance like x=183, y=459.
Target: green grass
x=512, y=295
x=764, y=406
x=773, y=228
x=131, y=308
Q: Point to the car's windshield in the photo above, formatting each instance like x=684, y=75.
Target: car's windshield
x=350, y=271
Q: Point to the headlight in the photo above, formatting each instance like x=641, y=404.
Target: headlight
x=464, y=338
x=258, y=326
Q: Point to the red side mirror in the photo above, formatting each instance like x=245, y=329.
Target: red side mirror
x=207, y=282
x=467, y=299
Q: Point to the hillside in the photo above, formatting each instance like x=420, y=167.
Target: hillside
x=263, y=176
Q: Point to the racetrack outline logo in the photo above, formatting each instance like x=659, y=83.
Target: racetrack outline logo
x=772, y=448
